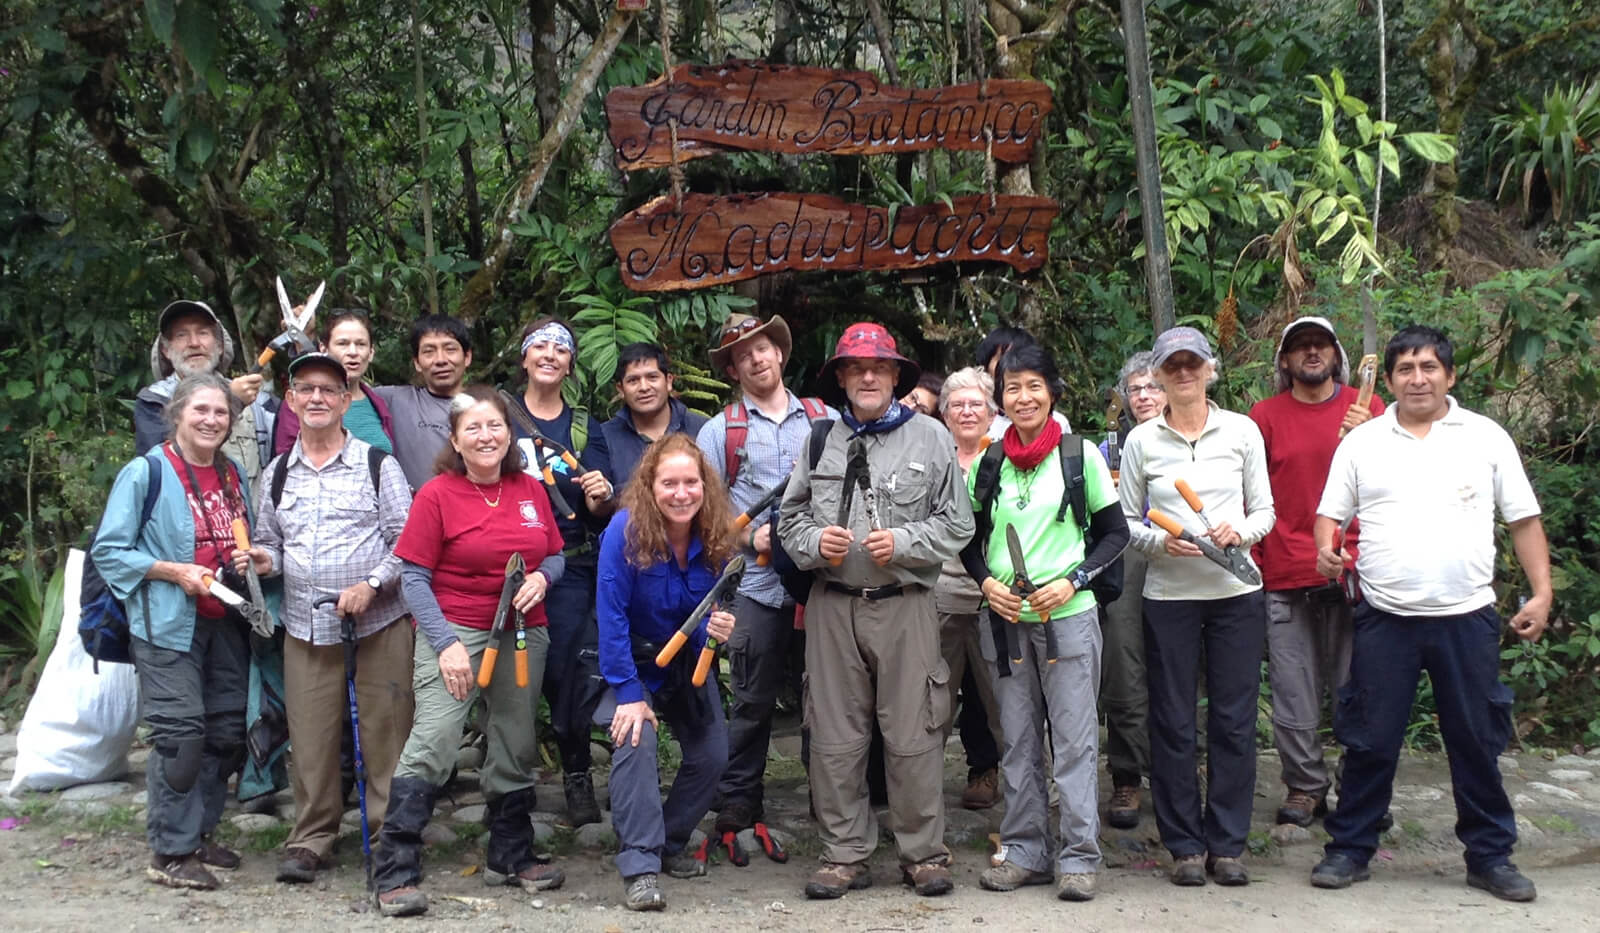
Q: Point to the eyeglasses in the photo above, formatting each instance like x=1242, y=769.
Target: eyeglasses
x=733, y=332
x=310, y=390
x=1145, y=388
x=967, y=405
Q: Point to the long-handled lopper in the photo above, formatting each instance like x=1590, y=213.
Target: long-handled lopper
x=260, y=619
x=761, y=505
x=294, y=340
x=1025, y=587
x=544, y=460
x=1235, y=565
x=516, y=572
x=347, y=637
x=721, y=593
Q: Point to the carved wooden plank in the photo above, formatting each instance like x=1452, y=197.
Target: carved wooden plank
x=800, y=110
x=715, y=240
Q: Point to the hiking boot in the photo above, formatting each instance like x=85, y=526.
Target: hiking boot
x=1300, y=808
x=539, y=876
x=185, y=871
x=685, y=864
x=1189, y=871
x=833, y=879
x=1124, y=810
x=982, y=791
x=299, y=866
x=734, y=817
x=1386, y=822
x=1338, y=871
x=929, y=879
x=1076, y=886
x=1009, y=876
x=581, y=806
x=642, y=893
x=217, y=856
x=1504, y=882
x=402, y=902
x=1227, y=871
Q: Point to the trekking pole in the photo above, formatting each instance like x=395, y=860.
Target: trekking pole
x=347, y=636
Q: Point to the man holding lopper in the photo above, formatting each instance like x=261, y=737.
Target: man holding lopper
x=753, y=445
x=1425, y=480
x=883, y=509
x=1308, y=620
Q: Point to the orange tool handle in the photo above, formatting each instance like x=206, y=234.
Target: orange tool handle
x=1166, y=522
x=572, y=462
x=984, y=443
x=522, y=667
x=1368, y=370
x=670, y=649
x=763, y=559
x=207, y=579
x=742, y=522
x=265, y=357
x=1188, y=494
x=702, y=667
x=836, y=561
x=241, y=535
x=486, y=668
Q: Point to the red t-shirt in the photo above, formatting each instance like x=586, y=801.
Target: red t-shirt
x=1300, y=441
x=213, y=513
x=454, y=532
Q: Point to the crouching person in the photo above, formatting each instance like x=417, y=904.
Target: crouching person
x=659, y=557
x=465, y=527
x=191, y=652
x=330, y=510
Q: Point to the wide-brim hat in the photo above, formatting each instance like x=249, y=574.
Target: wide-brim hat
x=741, y=327
x=866, y=341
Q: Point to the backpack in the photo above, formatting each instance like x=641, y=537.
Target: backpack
x=102, y=618
x=797, y=582
x=280, y=473
x=737, y=421
x=1107, y=585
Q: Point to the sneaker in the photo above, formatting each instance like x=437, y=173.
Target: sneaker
x=833, y=879
x=1009, y=876
x=929, y=879
x=1504, y=882
x=538, y=876
x=1189, y=871
x=299, y=866
x=1338, y=871
x=180, y=871
x=1076, y=886
x=1124, y=810
x=1300, y=808
x=982, y=791
x=1227, y=871
x=642, y=893
x=582, y=809
x=685, y=864
x=217, y=856
x=402, y=902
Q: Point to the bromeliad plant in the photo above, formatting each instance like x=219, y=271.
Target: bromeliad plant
x=1554, y=143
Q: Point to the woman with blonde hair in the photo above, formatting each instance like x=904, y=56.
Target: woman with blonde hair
x=662, y=553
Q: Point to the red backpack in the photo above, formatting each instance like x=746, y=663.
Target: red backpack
x=738, y=428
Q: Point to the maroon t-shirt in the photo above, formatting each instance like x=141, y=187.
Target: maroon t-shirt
x=1300, y=439
x=454, y=532
x=213, y=512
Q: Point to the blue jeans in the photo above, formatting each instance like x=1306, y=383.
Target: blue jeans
x=1462, y=657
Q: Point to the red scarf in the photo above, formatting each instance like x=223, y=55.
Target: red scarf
x=1026, y=457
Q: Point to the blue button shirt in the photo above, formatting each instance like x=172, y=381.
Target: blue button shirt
x=650, y=602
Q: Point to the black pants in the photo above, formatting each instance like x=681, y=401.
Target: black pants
x=1462, y=657
x=1232, y=634
x=572, y=681
x=977, y=739
x=758, y=660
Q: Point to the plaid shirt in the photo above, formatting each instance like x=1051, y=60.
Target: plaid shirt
x=771, y=448
x=330, y=531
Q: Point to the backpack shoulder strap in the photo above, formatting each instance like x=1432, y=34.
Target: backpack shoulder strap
x=1073, y=495
x=986, y=486
x=736, y=424
x=816, y=409
x=819, y=440
x=152, y=488
x=375, y=458
x=580, y=429
x=280, y=475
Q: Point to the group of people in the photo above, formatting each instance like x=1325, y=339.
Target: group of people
x=935, y=544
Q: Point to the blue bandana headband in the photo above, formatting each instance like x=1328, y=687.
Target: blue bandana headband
x=550, y=333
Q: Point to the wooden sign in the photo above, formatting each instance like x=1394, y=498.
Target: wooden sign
x=800, y=110
x=715, y=240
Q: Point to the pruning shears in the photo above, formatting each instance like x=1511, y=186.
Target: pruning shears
x=721, y=592
x=258, y=616
x=294, y=340
x=516, y=572
x=1025, y=587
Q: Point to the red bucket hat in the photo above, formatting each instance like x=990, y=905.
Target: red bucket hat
x=866, y=341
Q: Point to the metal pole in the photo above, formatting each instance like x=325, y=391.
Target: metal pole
x=1157, y=262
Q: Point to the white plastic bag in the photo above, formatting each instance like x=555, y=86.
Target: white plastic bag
x=79, y=724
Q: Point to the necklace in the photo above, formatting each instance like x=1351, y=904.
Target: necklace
x=1025, y=482
x=498, y=489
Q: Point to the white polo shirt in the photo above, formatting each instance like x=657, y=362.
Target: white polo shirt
x=1427, y=508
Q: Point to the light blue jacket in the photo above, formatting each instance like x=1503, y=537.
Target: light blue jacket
x=162, y=613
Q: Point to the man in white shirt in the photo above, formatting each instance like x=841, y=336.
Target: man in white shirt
x=1425, y=480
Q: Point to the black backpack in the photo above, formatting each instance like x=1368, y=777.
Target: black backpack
x=280, y=473
x=797, y=582
x=102, y=618
x=1107, y=585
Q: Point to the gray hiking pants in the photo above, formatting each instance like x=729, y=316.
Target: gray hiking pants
x=1309, y=635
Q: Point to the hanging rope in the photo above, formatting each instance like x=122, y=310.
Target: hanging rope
x=674, y=171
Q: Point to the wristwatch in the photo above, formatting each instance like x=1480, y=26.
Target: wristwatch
x=374, y=582
x=1079, y=579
